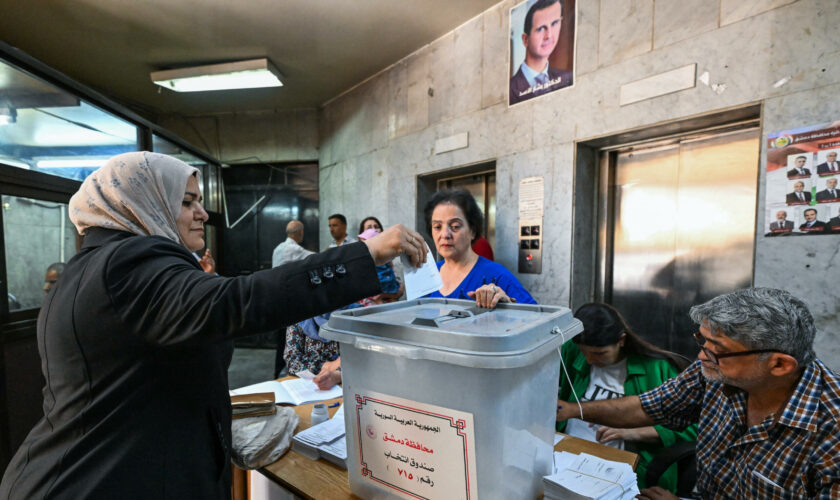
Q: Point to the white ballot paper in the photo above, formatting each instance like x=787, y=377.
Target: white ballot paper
x=296, y=391
x=420, y=281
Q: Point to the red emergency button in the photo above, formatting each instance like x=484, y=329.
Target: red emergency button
x=529, y=257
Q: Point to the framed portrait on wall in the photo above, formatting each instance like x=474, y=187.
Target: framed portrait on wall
x=542, y=48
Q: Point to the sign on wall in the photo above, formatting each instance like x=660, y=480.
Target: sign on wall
x=415, y=450
x=803, y=171
x=542, y=48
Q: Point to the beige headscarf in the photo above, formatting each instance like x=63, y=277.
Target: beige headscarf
x=136, y=192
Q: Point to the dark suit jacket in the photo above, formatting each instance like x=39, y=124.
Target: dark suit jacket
x=825, y=195
x=818, y=226
x=834, y=223
x=791, y=197
x=519, y=84
x=135, y=342
x=822, y=168
x=793, y=173
x=775, y=225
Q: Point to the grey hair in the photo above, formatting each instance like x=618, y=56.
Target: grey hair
x=762, y=318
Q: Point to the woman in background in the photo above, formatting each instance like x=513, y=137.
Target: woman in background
x=608, y=360
x=455, y=221
x=392, y=286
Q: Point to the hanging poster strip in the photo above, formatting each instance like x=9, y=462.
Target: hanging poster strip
x=802, y=195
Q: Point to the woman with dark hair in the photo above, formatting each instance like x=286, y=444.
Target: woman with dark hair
x=455, y=221
x=370, y=223
x=608, y=360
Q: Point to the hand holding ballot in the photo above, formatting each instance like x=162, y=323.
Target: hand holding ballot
x=394, y=241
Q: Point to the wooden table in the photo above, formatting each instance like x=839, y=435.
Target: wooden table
x=319, y=479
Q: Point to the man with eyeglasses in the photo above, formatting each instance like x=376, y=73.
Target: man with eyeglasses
x=768, y=411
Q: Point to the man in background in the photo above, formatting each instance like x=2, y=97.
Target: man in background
x=52, y=274
x=768, y=411
x=781, y=223
x=830, y=193
x=290, y=250
x=338, y=231
x=811, y=223
x=540, y=34
x=799, y=169
x=799, y=196
x=829, y=166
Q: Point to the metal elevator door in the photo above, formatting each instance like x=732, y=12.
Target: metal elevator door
x=681, y=226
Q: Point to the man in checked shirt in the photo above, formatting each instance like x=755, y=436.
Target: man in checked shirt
x=768, y=411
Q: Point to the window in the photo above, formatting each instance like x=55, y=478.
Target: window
x=209, y=171
x=37, y=233
x=44, y=129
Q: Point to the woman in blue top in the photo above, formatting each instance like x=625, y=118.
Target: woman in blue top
x=455, y=221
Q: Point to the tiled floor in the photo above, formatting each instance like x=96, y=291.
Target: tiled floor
x=250, y=366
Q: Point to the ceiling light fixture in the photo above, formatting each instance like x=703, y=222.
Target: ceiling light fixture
x=72, y=163
x=251, y=74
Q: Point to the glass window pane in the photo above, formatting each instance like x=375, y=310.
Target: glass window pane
x=209, y=172
x=45, y=129
x=37, y=234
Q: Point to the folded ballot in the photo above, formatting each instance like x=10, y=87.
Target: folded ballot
x=586, y=477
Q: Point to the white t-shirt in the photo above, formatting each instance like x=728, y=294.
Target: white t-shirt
x=604, y=383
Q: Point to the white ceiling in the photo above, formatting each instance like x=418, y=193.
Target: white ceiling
x=322, y=47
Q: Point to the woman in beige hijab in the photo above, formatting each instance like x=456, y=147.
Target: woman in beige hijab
x=135, y=339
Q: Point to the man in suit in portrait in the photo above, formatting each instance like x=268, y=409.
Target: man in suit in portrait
x=541, y=31
x=811, y=223
x=834, y=222
x=830, y=165
x=799, y=169
x=781, y=224
x=830, y=193
x=798, y=196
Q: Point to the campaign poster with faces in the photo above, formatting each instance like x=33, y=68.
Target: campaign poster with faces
x=542, y=48
x=803, y=181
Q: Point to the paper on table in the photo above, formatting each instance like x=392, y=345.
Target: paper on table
x=558, y=437
x=295, y=391
x=306, y=375
x=420, y=281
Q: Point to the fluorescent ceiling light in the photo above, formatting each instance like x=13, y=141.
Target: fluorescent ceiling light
x=255, y=73
x=77, y=163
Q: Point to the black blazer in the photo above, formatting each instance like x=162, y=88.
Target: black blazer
x=825, y=195
x=817, y=226
x=792, y=198
x=135, y=342
x=822, y=168
x=793, y=173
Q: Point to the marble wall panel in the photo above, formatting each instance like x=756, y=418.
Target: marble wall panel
x=625, y=30
x=675, y=21
x=495, y=54
x=586, y=37
x=356, y=122
x=732, y=11
x=409, y=95
x=455, y=70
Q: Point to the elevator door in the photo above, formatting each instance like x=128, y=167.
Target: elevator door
x=683, y=225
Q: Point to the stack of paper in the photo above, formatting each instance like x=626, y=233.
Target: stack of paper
x=296, y=391
x=325, y=440
x=586, y=477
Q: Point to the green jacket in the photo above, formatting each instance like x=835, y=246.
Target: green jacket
x=643, y=374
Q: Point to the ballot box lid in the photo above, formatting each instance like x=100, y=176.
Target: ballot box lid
x=456, y=331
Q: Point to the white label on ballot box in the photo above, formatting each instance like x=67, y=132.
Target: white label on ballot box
x=415, y=450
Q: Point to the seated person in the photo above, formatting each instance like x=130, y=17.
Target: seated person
x=455, y=221
x=306, y=350
x=392, y=288
x=766, y=408
x=607, y=360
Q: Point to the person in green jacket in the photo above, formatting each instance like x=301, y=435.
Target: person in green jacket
x=608, y=360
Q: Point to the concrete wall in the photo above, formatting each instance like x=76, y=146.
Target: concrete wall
x=377, y=138
x=252, y=136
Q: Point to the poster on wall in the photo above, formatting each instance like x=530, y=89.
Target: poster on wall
x=803, y=196
x=542, y=48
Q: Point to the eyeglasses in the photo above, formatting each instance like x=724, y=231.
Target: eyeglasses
x=714, y=358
